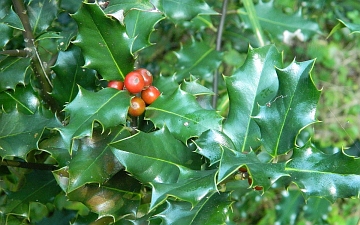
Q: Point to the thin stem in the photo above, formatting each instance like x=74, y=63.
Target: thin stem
x=27, y=165
x=16, y=53
x=218, y=48
x=36, y=63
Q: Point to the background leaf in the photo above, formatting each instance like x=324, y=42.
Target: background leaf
x=70, y=74
x=20, y=133
x=104, y=42
x=24, y=99
x=13, y=71
x=40, y=186
x=41, y=17
x=196, y=59
x=275, y=22
x=139, y=26
x=184, y=10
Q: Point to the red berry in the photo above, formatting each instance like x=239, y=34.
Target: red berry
x=148, y=77
x=137, y=106
x=150, y=94
x=134, y=82
x=116, y=84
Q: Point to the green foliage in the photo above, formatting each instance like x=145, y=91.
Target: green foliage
x=70, y=153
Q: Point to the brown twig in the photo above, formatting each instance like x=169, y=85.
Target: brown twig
x=16, y=53
x=27, y=165
x=36, y=63
x=218, y=48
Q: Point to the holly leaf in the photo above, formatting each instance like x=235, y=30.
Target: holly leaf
x=211, y=143
x=40, y=186
x=94, y=163
x=183, y=120
x=6, y=33
x=209, y=211
x=262, y=173
x=24, y=99
x=12, y=20
x=20, y=133
x=69, y=74
x=354, y=28
x=13, y=71
x=42, y=17
x=193, y=87
x=185, y=10
x=196, y=59
x=253, y=84
x=139, y=26
x=108, y=107
x=106, y=201
x=291, y=110
x=275, y=22
x=104, y=42
x=126, y=5
x=167, y=166
x=330, y=176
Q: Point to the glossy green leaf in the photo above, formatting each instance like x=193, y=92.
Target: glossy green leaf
x=109, y=107
x=211, y=143
x=69, y=74
x=40, y=186
x=354, y=28
x=24, y=99
x=57, y=147
x=106, y=201
x=20, y=133
x=117, y=5
x=292, y=109
x=104, y=42
x=12, y=72
x=12, y=20
x=275, y=22
x=211, y=210
x=6, y=33
x=196, y=59
x=41, y=14
x=178, y=11
x=167, y=166
x=253, y=84
x=193, y=87
x=166, y=84
x=262, y=173
x=330, y=176
x=139, y=26
x=94, y=163
x=183, y=122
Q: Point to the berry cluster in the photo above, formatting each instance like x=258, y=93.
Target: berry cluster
x=138, y=83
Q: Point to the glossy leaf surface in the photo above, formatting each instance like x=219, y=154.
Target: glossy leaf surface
x=104, y=42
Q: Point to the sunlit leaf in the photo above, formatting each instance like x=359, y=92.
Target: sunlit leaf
x=330, y=176
x=104, y=42
x=183, y=122
x=109, y=107
x=292, y=109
